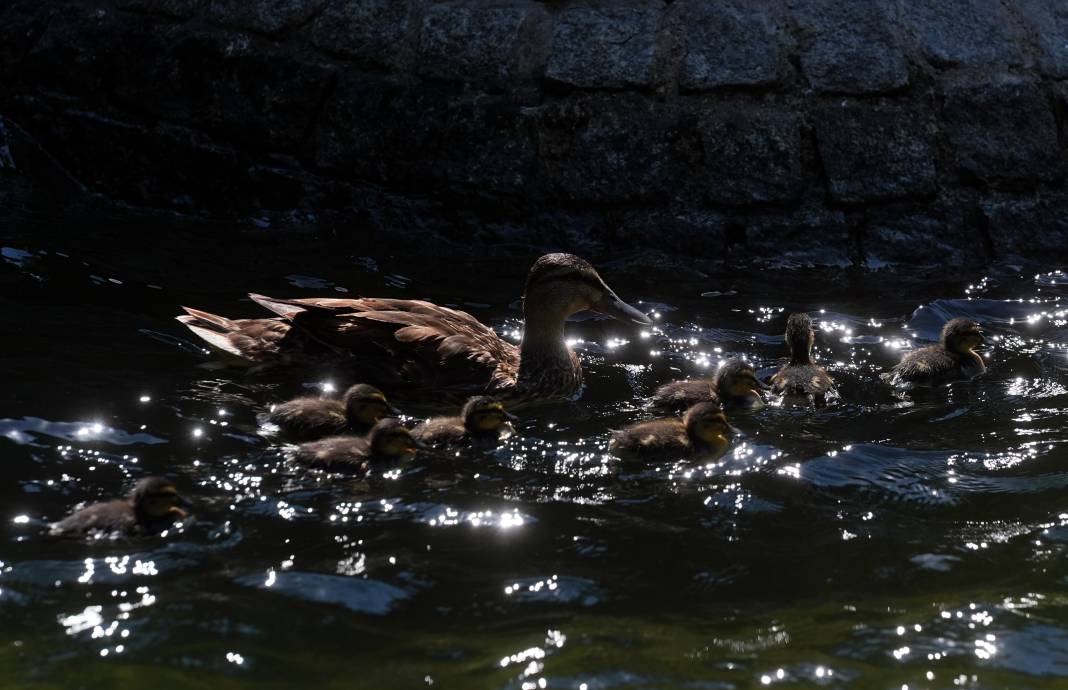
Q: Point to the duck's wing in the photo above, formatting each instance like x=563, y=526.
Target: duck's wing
x=406, y=342
x=930, y=365
x=253, y=340
x=678, y=396
x=801, y=379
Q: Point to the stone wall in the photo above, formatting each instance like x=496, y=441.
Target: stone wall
x=825, y=131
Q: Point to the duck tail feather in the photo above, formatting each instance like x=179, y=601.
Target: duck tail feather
x=283, y=308
x=207, y=320
x=214, y=338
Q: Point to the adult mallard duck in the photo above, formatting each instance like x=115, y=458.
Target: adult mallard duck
x=702, y=433
x=734, y=386
x=309, y=418
x=802, y=380
x=953, y=358
x=408, y=347
x=388, y=443
x=152, y=506
x=482, y=419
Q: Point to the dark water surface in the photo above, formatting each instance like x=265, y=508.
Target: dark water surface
x=884, y=542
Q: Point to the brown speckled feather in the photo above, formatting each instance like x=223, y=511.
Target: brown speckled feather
x=678, y=396
x=408, y=343
x=801, y=379
x=655, y=438
x=930, y=365
x=441, y=431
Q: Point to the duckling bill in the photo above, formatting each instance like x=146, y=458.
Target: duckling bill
x=702, y=433
x=388, y=443
x=482, y=420
x=802, y=379
x=310, y=418
x=152, y=506
x=953, y=358
x=734, y=386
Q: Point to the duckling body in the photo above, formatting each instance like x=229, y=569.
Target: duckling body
x=483, y=420
x=953, y=358
x=413, y=346
x=802, y=380
x=388, y=442
x=703, y=433
x=309, y=418
x=734, y=386
x=150, y=508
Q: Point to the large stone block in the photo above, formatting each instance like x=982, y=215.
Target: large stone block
x=805, y=237
x=690, y=231
x=1034, y=227
x=264, y=16
x=382, y=32
x=181, y=9
x=963, y=32
x=388, y=130
x=731, y=43
x=606, y=46
x=498, y=44
x=752, y=154
x=607, y=149
x=1001, y=128
x=1048, y=19
x=875, y=151
x=946, y=232
x=850, y=47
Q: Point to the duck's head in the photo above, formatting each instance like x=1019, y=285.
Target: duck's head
x=560, y=285
x=961, y=335
x=389, y=438
x=799, y=335
x=705, y=423
x=366, y=404
x=736, y=378
x=485, y=415
x=157, y=497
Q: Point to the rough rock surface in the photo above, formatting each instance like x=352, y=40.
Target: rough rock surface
x=875, y=151
x=608, y=46
x=1001, y=128
x=782, y=131
x=731, y=43
x=850, y=47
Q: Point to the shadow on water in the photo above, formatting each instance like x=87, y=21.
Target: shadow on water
x=887, y=540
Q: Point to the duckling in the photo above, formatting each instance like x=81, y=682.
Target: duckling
x=801, y=378
x=388, y=441
x=309, y=418
x=151, y=507
x=954, y=357
x=412, y=347
x=482, y=419
x=735, y=386
x=702, y=433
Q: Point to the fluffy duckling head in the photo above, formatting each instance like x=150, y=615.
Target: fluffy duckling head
x=156, y=498
x=800, y=337
x=366, y=404
x=560, y=285
x=737, y=379
x=961, y=335
x=485, y=415
x=706, y=425
x=389, y=438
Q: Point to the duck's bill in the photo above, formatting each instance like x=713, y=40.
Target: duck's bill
x=416, y=444
x=761, y=386
x=392, y=411
x=509, y=416
x=610, y=305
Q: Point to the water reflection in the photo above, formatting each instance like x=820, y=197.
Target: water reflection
x=889, y=540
